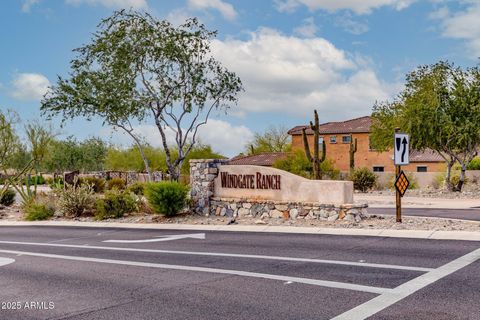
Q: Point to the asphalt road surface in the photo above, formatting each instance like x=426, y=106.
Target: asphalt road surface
x=106, y=273
x=464, y=214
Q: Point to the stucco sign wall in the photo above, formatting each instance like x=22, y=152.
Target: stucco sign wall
x=263, y=183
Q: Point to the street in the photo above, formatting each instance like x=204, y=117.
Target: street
x=472, y=214
x=113, y=273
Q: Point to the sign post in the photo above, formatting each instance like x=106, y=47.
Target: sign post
x=401, y=157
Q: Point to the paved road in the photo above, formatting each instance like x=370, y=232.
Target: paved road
x=72, y=273
x=465, y=214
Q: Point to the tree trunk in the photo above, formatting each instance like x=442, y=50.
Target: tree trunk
x=448, y=181
x=145, y=160
x=461, y=181
x=140, y=149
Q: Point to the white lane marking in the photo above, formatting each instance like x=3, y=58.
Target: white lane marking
x=5, y=261
x=163, y=238
x=391, y=297
x=229, y=255
x=315, y=282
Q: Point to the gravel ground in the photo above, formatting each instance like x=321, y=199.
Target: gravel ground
x=14, y=213
x=469, y=191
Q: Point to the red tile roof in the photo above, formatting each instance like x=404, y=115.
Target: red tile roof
x=357, y=125
x=262, y=159
x=427, y=155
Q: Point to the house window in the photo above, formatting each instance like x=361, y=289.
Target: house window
x=333, y=139
x=320, y=141
x=378, y=169
x=346, y=139
x=422, y=169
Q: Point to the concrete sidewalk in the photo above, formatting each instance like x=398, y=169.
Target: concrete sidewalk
x=388, y=201
x=418, y=234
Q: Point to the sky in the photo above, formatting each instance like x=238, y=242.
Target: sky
x=293, y=56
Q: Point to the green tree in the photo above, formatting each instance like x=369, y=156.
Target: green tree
x=70, y=154
x=440, y=109
x=274, y=139
x=139, y=68
x=9, y=141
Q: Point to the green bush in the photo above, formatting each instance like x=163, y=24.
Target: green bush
x=439, y=180
x=116, y=183
x=55, y=183
x=75, y=200
x=97, y=184
x=38, y=211
x=363, y=179
x=166, y=198
x=137, y=188
x=8, y=197
x=115, y=204
x=455, y=178
x=474, y=164
x=34, y=180
x=296, y=163
x=328, y=170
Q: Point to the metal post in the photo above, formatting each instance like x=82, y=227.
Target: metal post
x=397, y=193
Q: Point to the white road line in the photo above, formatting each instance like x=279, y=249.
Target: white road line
x=5, y=261
x=162, y=238
x=230, y=255
x=321, y=283
x=391, y=297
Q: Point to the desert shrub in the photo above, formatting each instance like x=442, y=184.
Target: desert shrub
x=438, y=180
x=296, y=163
x=33, y=180
x=329, y=171
x=75, y=200
x=8, y=197
x=455, y=178
x=116, y=183
x=166, y=197
x=137, y=188
x=474, y=164
x=38, y=211
x=54, y=183
x=115, y=204
x=97, y=184
x=363, y=179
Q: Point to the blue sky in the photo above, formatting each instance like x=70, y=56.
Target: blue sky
x=338, y=56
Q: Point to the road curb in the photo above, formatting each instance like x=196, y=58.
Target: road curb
x=390, y=233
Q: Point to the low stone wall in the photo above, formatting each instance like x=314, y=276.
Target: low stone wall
x=202, y=175
x=207, y=198
x=234, y=207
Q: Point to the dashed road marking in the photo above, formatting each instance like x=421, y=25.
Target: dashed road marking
x=5, y=261
x=230, y=255
x=162, y=238
x=321, y=283
x=391, y=297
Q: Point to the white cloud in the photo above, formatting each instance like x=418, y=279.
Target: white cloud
x=357, y=6
x=308, y=29
x=126, y=4
x=318, y=75
x=226, y=9
x=463, y=25
x=350, y=25
x=28, y=4
x=29, y=86
x=224, y=137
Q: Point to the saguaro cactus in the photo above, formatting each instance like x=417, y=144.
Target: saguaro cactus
x=351, y=151
x=314, y=159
